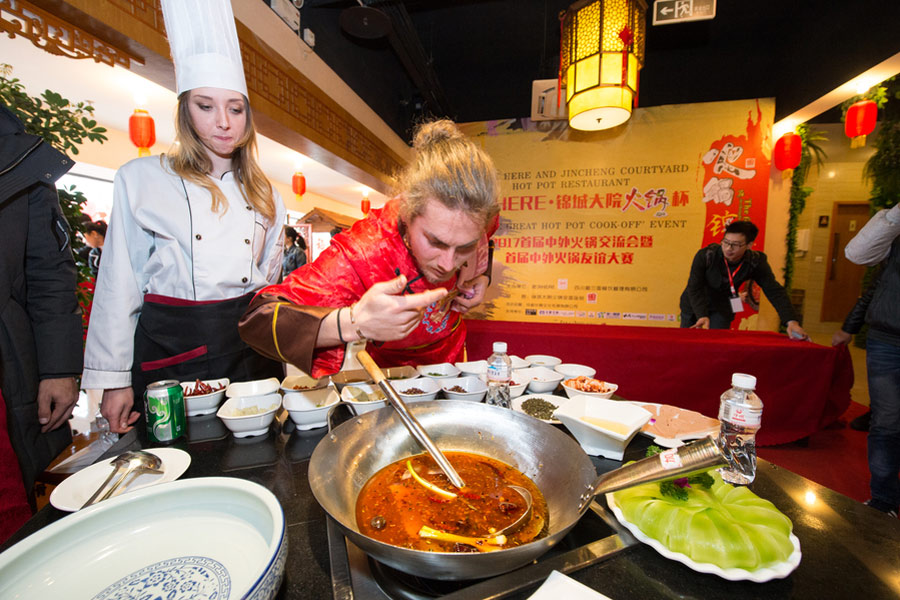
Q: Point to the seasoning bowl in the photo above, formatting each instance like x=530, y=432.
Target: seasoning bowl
x=203, y=404
x=258, y=387
x=302, y=383
x=602, y=427
x=428, y=386
x=363, y=397
x=542, y=360
x=475, y=389
x=541, y=380
x=309, y=409
x=438, y=371
x=571, y=391
x=476, y=368
x=246, y=425
x=517, y=386
x=573, y=370
x=518, y=362
x=557, y=401
x=354, y=376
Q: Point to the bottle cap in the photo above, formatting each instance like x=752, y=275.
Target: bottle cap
x=500, y=347
x=742, y=380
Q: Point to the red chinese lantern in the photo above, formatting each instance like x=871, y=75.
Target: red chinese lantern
x=787, y=152
x=142, y=131
x=365, y=205
x=298, y=184
x=860, y=121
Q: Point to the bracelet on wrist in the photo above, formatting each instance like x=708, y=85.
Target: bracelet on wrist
x=359, y=332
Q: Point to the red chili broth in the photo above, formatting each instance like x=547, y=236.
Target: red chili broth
x=485, y=503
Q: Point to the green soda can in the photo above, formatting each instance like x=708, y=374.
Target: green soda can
x=164, y=407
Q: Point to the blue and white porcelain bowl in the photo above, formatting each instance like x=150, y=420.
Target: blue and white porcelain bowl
x=210, y=537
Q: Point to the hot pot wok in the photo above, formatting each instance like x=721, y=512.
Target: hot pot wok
x=353, y=452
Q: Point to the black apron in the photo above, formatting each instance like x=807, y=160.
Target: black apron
x=188, y=340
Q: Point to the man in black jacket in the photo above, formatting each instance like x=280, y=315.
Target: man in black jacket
x=711, y=297
x=40, y=321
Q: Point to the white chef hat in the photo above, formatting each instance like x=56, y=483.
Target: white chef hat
x=204, y=44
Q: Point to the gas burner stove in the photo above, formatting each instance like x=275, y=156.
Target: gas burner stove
x=356, y=576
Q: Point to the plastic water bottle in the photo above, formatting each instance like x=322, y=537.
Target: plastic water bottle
x=499, y=374
x=740, y=414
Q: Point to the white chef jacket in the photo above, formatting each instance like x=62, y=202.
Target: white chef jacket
x=163, y=238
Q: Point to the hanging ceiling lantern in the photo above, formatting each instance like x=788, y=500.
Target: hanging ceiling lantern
x=601, y=53
x=298, y=184
x=142, y=131
x=365, y=205
x=787, y=153
x=860, y=121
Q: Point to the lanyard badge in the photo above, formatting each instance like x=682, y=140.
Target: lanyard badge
x=736, y=304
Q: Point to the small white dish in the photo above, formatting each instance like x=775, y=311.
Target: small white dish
x=203, y=404
x=438, y=371
x=691, y=432
x=74, y=491
x=475, y=388
x=518, y=362
x=571, y=392
x=428, y=386
x=602, y=427
x=363, y=397
x=542, y=360
x=541, y=380
x=555, y=400
x=476, y=368
x=303, y=383
x=309, y=409
x=351, y=377
x=778, y=570
x=258, y=387
x=574, y=370
x=404, y=373
x=517, y=386
x=246, y=425
x=558, y=586
x=209, y=537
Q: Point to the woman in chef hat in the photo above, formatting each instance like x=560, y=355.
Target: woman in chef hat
x=192, y=236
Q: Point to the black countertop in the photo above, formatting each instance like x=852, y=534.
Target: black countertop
x=847, y=548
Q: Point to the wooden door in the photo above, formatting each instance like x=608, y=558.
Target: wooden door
x=843, y=278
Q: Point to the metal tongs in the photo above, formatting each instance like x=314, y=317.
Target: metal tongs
x=412, y=424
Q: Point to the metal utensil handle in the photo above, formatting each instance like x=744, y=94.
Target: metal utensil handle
x=703, y=455
x=412, y=424
x=96, y=494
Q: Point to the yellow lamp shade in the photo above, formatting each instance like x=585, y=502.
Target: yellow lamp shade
x=600, y=108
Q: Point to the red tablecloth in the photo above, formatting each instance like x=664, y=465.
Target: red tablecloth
x=803, y=386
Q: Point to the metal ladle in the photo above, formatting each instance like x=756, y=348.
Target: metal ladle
x=132, y=461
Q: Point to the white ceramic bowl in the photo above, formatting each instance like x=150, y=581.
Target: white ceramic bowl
x=211, y=536
x=363, y=397
x=203, y=404
x=609, y=427
x=252, y=424
x=541, y=380
x=258, y=387
x=430, y=388
x=571, y=392
x=475, y=388
x=303, y=383
x=518, y=362
x=438, y=371
x=476, y=368
x=354, y=376
x=309, y=409
x=573, y=370
x=404, y=373
x=542, y=360
x=517, y=386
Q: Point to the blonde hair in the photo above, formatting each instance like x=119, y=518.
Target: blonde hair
x=451, y=168
x=190, y=161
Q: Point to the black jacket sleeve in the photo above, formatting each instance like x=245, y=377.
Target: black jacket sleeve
x=51, y=274
x=697, y=289
x=857, y=315
x=773, y=290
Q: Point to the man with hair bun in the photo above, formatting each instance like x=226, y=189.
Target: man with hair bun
x=400, y=278
x=711, y=297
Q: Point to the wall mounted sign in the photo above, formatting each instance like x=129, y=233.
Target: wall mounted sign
x=666, y=12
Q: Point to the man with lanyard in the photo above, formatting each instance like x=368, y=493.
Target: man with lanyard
x=711, y=298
